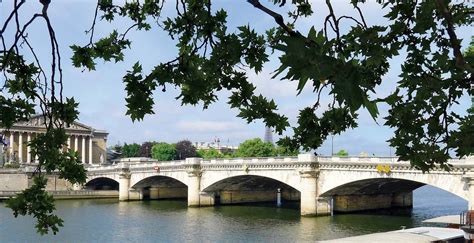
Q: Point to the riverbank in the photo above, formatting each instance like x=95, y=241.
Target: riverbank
x=413, y=235
x=69, y=194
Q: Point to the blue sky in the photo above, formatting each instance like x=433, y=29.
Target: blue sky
x=101, y=93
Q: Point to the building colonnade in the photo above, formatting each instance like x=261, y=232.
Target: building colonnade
x=19, y=149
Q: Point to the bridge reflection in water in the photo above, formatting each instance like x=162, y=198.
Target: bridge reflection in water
x=322, y=185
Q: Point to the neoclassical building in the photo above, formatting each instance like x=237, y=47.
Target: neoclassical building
x=90, y=143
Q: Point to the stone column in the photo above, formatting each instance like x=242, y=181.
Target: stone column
x=469, y=180
x=36, y=156
x=83, y=149
x=69, y=142
x=471, y=195
x=20, y=147
x=28, y=148
x=76, y=144
x=309, y=193
x=90, y=150
x=311, y=202
x=124, y=184
x=194, y=185
x=12, y=141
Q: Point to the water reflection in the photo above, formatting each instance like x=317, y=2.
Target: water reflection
x=172, y=221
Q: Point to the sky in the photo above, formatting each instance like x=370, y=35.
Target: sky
x=101, y=93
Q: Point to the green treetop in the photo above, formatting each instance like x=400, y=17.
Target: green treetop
x=130, y=150
x=342, y=152
x=163, y=151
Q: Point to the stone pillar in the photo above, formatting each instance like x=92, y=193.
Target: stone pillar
x=154, y=193
x=36, y=155
x=28, y=148
x=83, y=150
x=311, y=202
x=194, y=186
x=90, y=150
x=124, y=184
x=12, y=141
x=309, y=193
x=20, y=147
x=76, y=143
x=69, y=142
x=469, y=180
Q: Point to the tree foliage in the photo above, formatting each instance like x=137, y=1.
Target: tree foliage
x=255, y=148
x=164, y=151
x=145, y=149
x=346, y=58
x=342, y=153
x=130, y=150
x=185, y=149
x=348, y=63
x=210, y=153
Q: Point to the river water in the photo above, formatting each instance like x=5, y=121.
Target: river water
x=106, y=220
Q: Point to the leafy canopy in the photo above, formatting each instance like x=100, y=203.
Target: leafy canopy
x=164, y=151
x=185, y=149
x=145, y=149
x=342, y=152
x=130, y=150
x=255, y=148
x=210, y=153
x=346, y=58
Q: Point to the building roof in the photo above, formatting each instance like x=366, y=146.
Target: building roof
x=36, y=123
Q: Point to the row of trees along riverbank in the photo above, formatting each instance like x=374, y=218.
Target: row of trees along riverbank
x=185, y=149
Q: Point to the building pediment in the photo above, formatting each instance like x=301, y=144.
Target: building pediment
x=38, y=122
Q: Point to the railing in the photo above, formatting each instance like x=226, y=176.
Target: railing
x=147, y=163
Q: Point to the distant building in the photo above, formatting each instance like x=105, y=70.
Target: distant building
x=90, y=143
x=215, y=145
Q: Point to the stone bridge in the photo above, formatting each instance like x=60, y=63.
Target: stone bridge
x=321, y=184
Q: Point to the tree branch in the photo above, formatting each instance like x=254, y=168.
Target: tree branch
x=278, y=18
x=455, y=43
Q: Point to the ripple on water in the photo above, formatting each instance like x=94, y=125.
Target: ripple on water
x=171, y=221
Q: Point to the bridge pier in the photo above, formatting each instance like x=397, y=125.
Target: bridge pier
x=124, y=185
x=469, y=180
x=194, y=182
x=311, y=203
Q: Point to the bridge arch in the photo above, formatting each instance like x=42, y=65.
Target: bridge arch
x=338, y=183
x=251, y=189
x=102, y=183
x=247, y=182
x=291, y=179
x=158, y=181
x=161, y=187
x=178, y=176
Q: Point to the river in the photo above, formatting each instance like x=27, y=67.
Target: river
x=106, y=220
